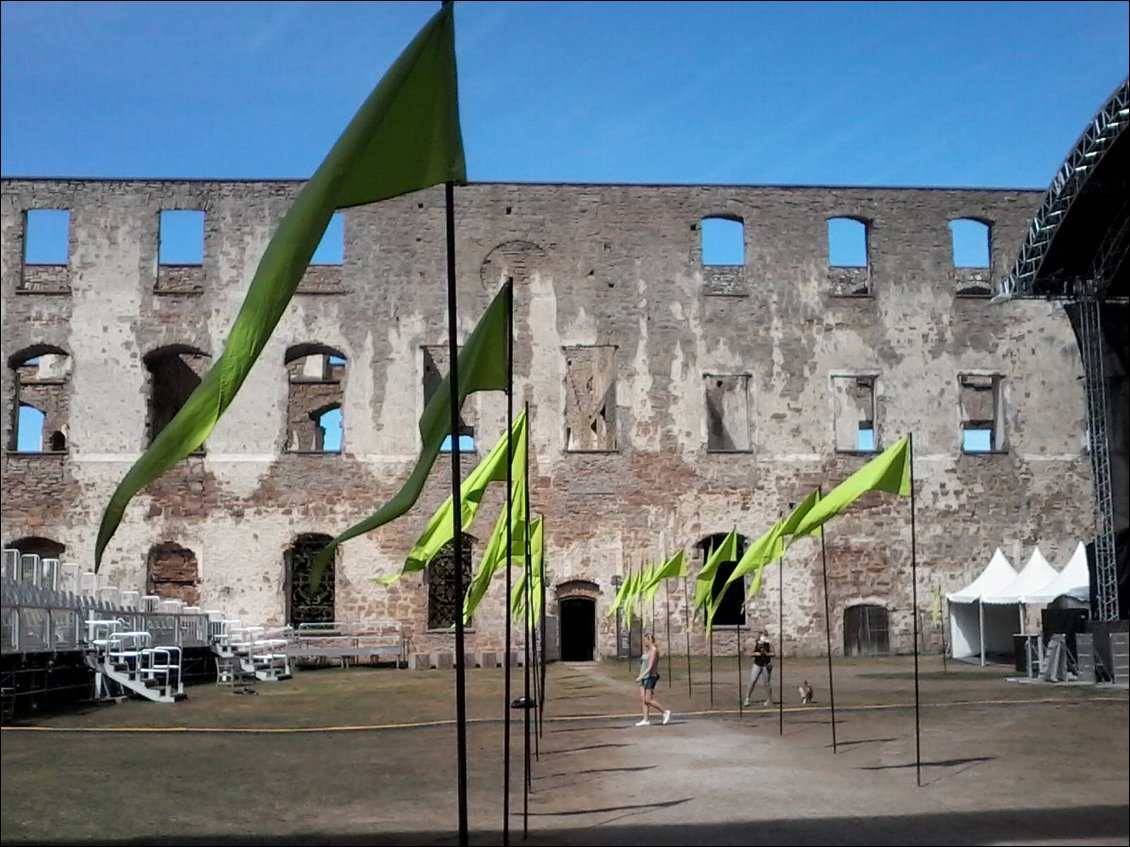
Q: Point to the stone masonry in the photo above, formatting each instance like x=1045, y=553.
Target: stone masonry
x=669, y=400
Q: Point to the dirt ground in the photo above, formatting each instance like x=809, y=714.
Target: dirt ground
x=368, y=756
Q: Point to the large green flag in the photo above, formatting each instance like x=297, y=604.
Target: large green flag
x=495, y=555
x=727, y=551
x=621, y=595
x=482, y=367
x=441, y=528
x=518, y=591
x=676, y=566
x=889, y=471
x=405, y=137
x=771, y=546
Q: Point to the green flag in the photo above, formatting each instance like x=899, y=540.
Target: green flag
x=405, y=137
x=770, y=546
x=621, y=593
x=889, y=471
x=727, y=551
x=674, y=567
x=495, y=555
x=518, y=591
x=631, y=595
x=441, y=528
x=482, y=367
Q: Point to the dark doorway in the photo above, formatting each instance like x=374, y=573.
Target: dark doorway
x=578, y=629
x=866, y=631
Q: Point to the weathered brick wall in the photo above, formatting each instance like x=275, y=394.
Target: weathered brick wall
x=594, y=266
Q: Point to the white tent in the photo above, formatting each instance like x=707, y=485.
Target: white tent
x=973, y=628
x=1074, y=580
x=1026, y=588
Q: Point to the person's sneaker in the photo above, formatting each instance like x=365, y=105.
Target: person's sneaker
x=666, y=716
x=768, y=702
x=644, y=722
x=745, y=702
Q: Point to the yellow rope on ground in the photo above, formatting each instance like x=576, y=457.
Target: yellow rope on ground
x=172, y=730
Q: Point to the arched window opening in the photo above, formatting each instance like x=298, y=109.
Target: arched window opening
x=172, y=573
x=444, y=603
x=315, y=396
x=174, y=373
x=306, y=603
x=40, y=376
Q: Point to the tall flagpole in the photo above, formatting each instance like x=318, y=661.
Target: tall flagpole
x=527, y=590
x=741, y=699
x=531, y=627
x=509, y=544
x=667, y=614
x=687, y=630
x=541, y=588
x=828, y=630
x=781, y=639
x=456, y=516
x=914, y=606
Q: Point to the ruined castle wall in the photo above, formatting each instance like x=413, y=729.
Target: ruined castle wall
x=624, y=344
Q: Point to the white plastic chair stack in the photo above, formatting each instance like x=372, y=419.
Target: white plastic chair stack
x=12, y=565
x=131, y=599
x=110, y=594
x=149, y=602
x=88, y=584
x=29, y=569
x=49, y=574
x=68, y=577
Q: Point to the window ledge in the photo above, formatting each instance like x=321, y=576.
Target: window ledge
x=321, y=292
x=172, y=292
x=46, y=292
x=984, y=452
x=37, y=454
x=859, y=452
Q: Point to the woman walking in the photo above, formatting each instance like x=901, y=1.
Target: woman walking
x=649, y=676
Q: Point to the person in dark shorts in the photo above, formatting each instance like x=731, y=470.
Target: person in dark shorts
x=762, y=653
x=649, y=676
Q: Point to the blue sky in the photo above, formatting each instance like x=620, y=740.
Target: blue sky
x=898, y=94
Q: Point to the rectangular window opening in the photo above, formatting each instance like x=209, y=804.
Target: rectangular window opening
x=47, y=237
x=181, y=237
x=590, y=399
x=727, y=413
x=981, y=417
x=854, y=410
x=331, y=249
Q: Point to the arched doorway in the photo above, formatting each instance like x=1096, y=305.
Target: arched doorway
x=578, y=629
x=866, y=631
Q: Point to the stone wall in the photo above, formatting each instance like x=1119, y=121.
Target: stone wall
x=611, y=276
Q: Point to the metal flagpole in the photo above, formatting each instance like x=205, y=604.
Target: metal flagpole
x=914, y=604
x=456, y=517
x=667, y=611
x=781, y=640
x=528, y=590
x=741, y=701
x=687, y=630
x=541, y=589
x=531, y=627
x=509, y=546
x=828, y=631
